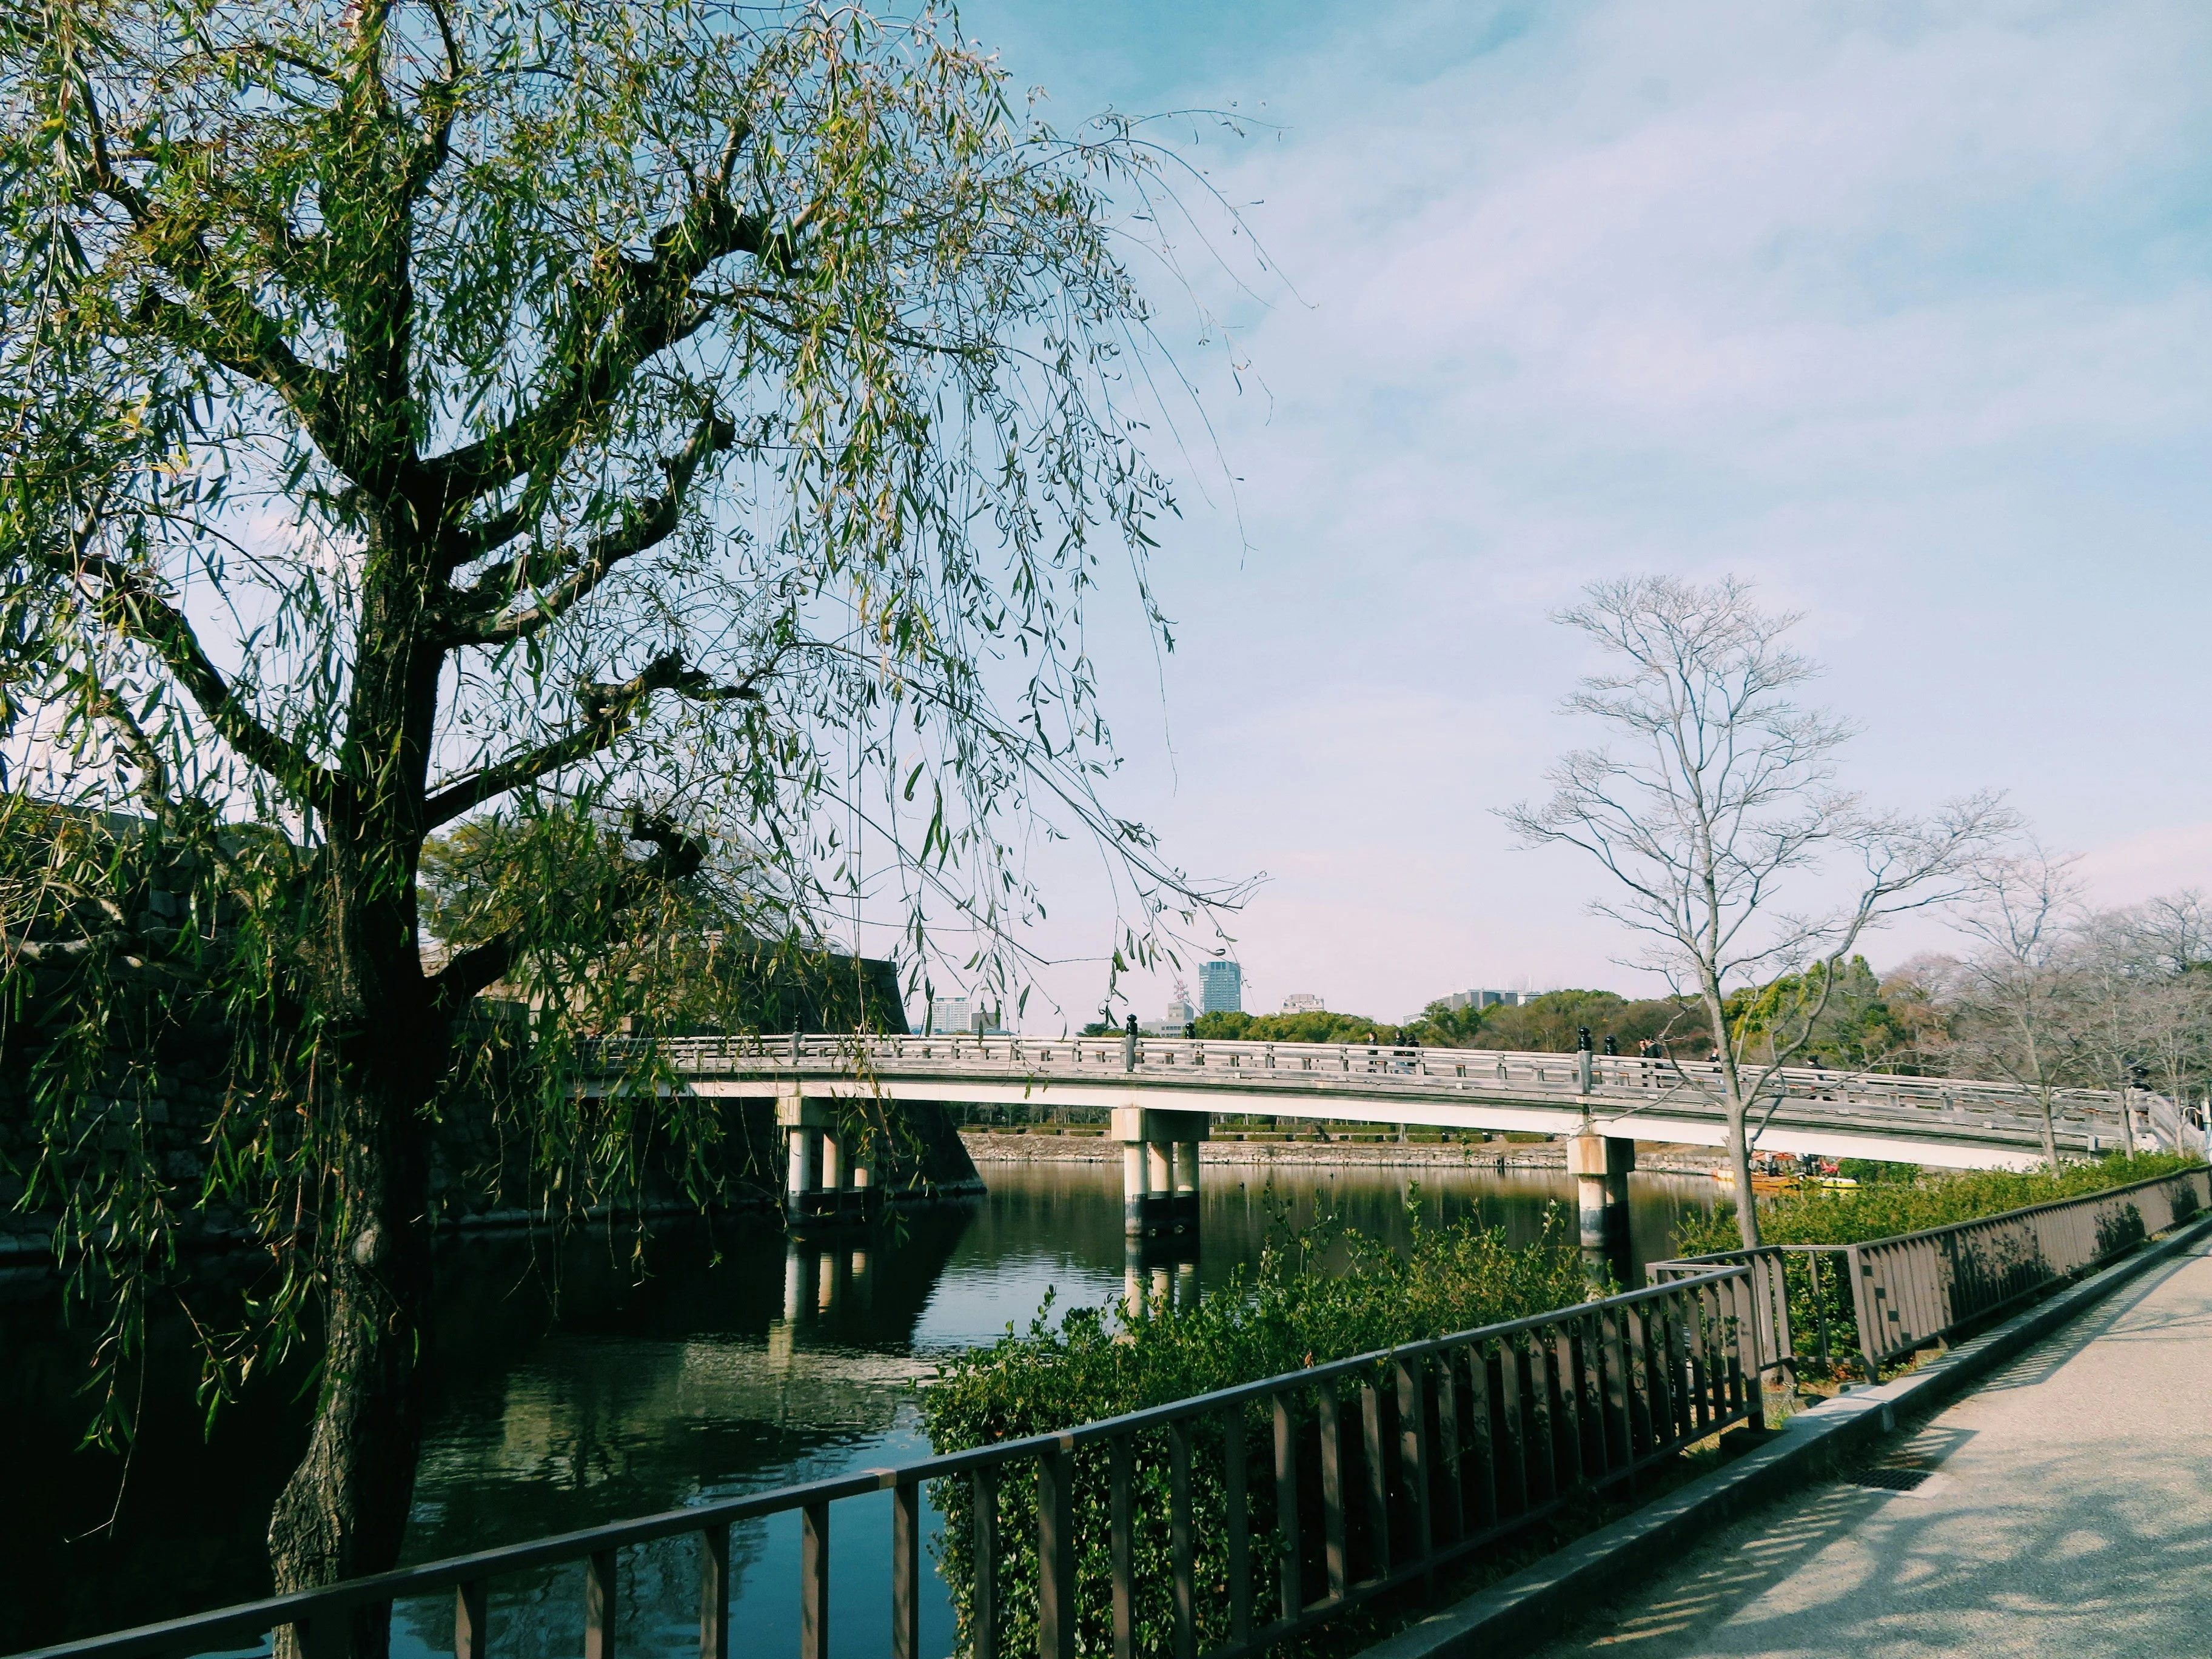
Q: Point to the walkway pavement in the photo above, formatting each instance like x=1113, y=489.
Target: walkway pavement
x=2069, y=1513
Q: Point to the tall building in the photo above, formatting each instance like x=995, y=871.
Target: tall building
x=1220, y=987
x=949, y=1014
x=1305, y=1002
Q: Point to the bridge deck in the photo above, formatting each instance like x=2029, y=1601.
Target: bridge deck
x=1805, y=1109
x=2053, y=1523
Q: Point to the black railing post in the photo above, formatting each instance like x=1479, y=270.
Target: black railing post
x=599, y=1606
x=1413, y=1458
x=714, y=1594
x=471, y=1636
x=1291, y=1590
x=1182, y=1548
x=1121, y=1546
x=1239, y=1520
x=1330, y=1422
x=983, y=1605
x=1056, y=1549
x=814, y=1582
x=906, y=1569
x=1864, y=1306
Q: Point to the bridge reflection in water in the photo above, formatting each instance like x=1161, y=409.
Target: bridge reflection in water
x=625, y=1396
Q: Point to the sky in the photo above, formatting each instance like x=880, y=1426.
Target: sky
x=1898, y=311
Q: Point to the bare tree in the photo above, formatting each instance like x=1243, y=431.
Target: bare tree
x=1722, y=795
x=2146, y=988
x=2016, y=1001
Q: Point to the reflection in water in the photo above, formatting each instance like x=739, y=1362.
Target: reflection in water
x=570, y=1391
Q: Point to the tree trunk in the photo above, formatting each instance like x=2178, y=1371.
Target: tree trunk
x=343, y=1513
x=1737, y=1110
x=1739, y=1150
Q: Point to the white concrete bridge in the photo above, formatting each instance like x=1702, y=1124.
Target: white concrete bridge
x=1937, y=1120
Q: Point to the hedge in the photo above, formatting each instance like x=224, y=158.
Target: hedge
x=1297, y=1309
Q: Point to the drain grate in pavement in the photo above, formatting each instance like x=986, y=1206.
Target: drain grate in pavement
x=1889, y=1479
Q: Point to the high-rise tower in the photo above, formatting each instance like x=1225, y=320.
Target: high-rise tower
x=1220, y=987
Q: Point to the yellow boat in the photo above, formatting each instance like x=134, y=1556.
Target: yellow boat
x=1781, y=1183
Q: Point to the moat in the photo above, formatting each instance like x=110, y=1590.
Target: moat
x=576, y=1386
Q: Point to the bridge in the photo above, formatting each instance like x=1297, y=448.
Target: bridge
x=1164, y=1093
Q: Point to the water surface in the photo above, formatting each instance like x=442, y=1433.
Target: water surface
x=587, y=1385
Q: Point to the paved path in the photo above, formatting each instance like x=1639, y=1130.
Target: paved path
x=2070, y=1514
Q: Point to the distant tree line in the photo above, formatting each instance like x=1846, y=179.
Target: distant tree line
x=1856, y=1030
x=2051, y=995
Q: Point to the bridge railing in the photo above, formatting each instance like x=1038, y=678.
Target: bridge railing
x=1305, y=1495
x=1899, y=1294
x=2079, y=1114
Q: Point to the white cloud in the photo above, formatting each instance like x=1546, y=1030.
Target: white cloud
x=1902, y=311
x=2146, y=866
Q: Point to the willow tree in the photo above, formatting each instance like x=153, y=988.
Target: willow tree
x=1715, y=811
x=641, y=414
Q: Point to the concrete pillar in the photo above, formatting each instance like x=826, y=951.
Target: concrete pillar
x=1133, y=1192
x=801, y=1172
x=803, y=1122
x=1186, y=1187
x=1159, y=1172
x=1600, y=1165
x=833, y=1164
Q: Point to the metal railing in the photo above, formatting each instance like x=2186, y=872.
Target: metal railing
x=1375, y=1473
x=1909, y=1291
x=1870, y=1101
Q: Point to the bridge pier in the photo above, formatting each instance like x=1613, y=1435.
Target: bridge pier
x=1600, y=1165
x=825, y=1183
x=1159, y=1170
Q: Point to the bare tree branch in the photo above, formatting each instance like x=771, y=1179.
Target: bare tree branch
x=609, y=335
x=474, y=613
x=610, y=711
x=132, y=608
x=475, y=969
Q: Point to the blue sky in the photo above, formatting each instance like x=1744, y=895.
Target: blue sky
x=1900, y=310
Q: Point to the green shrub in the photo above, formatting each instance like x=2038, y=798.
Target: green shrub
x=1884, y=1208
x=1844, y=1215
x=1295, y=1310
x=1869, y=1171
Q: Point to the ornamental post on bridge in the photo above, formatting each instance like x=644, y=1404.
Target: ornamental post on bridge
x=1159, y=1170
